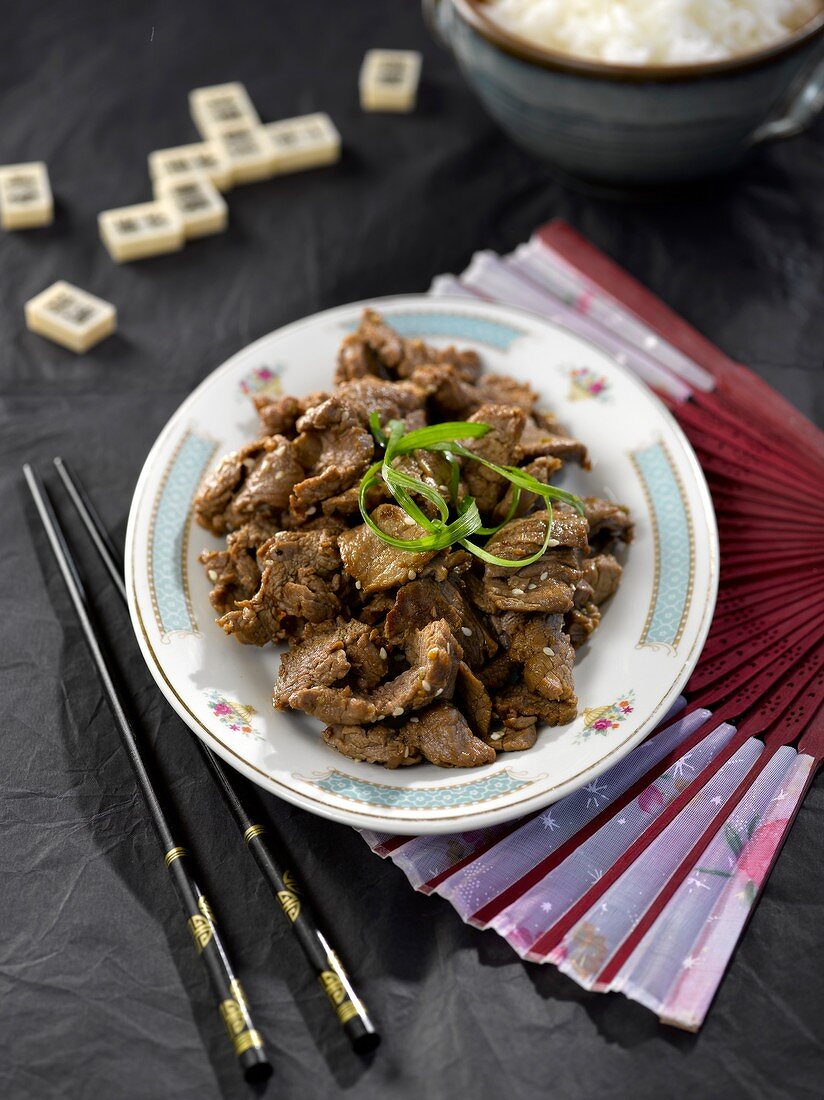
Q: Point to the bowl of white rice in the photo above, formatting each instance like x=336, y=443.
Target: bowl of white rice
x=640, y=92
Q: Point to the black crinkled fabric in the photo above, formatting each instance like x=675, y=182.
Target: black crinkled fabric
x=102, y=996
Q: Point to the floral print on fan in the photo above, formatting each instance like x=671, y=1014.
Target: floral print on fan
x=238, y=717
x=602, y=720
x=262, y=380
x=585, y=383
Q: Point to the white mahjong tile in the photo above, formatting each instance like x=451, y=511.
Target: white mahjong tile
x=197, y=200
x=70, y=316
x=213, y=107
x=200, y=156
x=389, y=80
x=248, y=149
x=25, y=196
x=147, y=229
x=304, y=142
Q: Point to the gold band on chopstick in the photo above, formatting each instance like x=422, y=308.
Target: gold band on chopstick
x=246, y=1040
x=252, y=832
x=173, y=854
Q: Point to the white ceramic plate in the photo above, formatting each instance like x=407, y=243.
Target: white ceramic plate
x=626, y=678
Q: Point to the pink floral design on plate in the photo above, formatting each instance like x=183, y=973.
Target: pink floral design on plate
x=602, y=720
x=262, y=380
x=238, y=717
x=585, y=383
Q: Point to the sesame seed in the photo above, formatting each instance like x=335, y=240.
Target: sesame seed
x=425, y=684
x=552, y=542
x=397, y=712
x=517, y=591
x=409, y=521
x=406, y=751
x=414, y=719
x=467, y=630
x=311, y=511
x=411, y=574
x=357, y=584
x=531, y=587
x=432, y=653
x=383, y=654
x=439, y=691
x=497, y=736
x=543, y=576
x=549, y=652
x=213, y=574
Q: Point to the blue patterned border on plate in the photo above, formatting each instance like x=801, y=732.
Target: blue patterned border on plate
x=424, y=798
x=674, y=547
x=169, y=531
x=457, y=326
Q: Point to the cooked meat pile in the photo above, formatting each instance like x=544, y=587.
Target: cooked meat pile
x=407, y=656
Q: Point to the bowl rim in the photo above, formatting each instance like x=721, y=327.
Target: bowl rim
x=521, y=48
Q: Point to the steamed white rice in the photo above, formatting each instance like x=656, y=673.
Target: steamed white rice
x=653, y=32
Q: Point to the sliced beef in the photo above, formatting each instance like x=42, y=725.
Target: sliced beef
x=517, y=701
x=375, y=565
x=603, y=574
x=581, y=621
x=541, y=469
x=433, y=655
x=515, y=735
x=234, y=571
x=279, y=415
x=300, y=583
x=506, y=422
x=499, y=673
x=421, y=601
x=543, y=436
x=334, y=449
x=546, y=585
x=375, y=744
x=444, y=738
x=473, y=700
x=451, y=395
x=607, y=521
x=376, y=349
x=248, y=483
x=346, y=505
x=539, y=643
x=391, y=400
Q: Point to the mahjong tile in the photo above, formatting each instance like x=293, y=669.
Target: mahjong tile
x=200, y=156
x=70, y=316
x=25, y=196
x=197, y=200
x=389, y=80
x=304, y=142
x=248, y=149
x=147, y=229
x=214, y=107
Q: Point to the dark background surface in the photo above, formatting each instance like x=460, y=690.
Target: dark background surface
x=102, y=996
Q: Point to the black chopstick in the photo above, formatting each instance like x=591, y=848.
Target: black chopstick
x=324, y=961
x=233, y=1006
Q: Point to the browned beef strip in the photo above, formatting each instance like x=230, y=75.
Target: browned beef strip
x=375, y=565
x=499, y=673
x=430, y=467
x=580, y=622
x=444, y=738
x=376, y=744
x=420, y=601
x=543, y=436
x=473, y=699
x=334, y=448
x=279, y=414
x=506, y=422
x=268, y=486
x=213, y=501
x=603, y=574
x=546, y=585
x=391, y=400
x=432, y=653
x=608, y=521
x=300, y=583
x=541, y=469
x=346, y=504
x=451, y=395
x=376, y=349
x=517, y=737
x=234, y=571
x=539, y=643
x=517, y=701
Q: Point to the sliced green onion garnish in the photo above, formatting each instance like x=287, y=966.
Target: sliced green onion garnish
x=445, y=439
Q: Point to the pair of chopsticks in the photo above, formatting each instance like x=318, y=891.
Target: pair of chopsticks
x=234, y=1008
